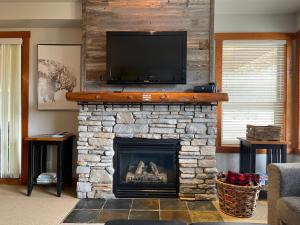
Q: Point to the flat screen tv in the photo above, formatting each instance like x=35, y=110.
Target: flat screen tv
x=146, y=57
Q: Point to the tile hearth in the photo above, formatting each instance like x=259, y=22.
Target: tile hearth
x=100, y=210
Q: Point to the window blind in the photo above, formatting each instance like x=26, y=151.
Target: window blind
x=253, y=74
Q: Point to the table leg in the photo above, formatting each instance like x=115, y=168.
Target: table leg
x=44, y=158
x=274, y=155
x=283, y=153
x=269, y=156
x=59, y=168
x=68, y=159
x=241, y=157
x=30, y=160
x=252, y=159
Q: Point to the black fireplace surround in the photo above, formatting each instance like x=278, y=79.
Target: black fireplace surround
x=146, y=167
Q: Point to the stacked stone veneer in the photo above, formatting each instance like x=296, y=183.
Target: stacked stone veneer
x=194, y=125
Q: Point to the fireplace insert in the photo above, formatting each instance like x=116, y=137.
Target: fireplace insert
x=145, y=167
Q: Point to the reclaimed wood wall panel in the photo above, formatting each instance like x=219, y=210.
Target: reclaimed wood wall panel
x=100, y=16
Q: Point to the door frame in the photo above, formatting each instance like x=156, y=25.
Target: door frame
x=25, y=35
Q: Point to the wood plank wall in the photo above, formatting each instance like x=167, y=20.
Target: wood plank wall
x=99, y=16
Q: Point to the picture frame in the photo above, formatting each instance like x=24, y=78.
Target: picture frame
x=59, y=70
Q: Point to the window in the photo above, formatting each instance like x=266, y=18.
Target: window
x=253, y=73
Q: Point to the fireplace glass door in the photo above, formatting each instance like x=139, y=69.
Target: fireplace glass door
x=145, y=167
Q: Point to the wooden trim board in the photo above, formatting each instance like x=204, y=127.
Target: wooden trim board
x=146, y=97
x=219, y=38
x=25, y=35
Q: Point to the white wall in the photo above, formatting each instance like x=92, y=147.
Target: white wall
x=41, y=122
x=255, y=23
x=298, y=22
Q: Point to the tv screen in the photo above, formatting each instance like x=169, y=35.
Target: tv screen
x=146, y=57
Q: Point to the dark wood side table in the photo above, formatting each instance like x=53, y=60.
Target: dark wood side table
x=37, y=159
x=276, y=153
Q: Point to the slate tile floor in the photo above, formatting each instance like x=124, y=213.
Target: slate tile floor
x=100, y=210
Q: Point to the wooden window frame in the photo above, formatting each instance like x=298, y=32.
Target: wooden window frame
x=219, y=38
x=25, y=35
x=297, y=144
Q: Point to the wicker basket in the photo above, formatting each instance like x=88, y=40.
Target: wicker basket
x=238, y=201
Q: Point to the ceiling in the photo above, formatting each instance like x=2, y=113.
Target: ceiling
x=10, y=1
x=257, y=6
x=230, y=6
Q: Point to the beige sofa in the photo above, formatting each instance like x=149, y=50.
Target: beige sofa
x=284, y=194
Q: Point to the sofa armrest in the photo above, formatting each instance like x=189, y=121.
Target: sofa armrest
x=288, y=176
x=283, y=181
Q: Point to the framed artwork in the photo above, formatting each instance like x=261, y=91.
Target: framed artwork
x=58, y=73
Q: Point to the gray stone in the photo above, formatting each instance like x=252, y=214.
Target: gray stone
x=187, y=175
x=108, y=123
x=148, y=136
x=92, y=123
x=181, y=125
x=180, y=131
x=196, y=128
x=94, y=128
x=104, y=135
x=185, y=143
x=162, y=130
x=187, y=136
x=102, y=118
x=125, y=135
x=100, y=176
x=107, y=129
x=163, y=125
x=198, y=142
x=174, y=108
x=170, y=136
x=110, y=170
x=81, y=195
x=100, y=141
x=125, y=117
x=82, y=128
x=207, y=163
x=190, y=148
x=161, y=108
x=131, y=128
x=187, y=170
x=210, y=170
x=211, y=141
x=88, y=158
x=197, y=153
x=147, y=107
x=83, y=169
x=110, y=153
x=84, y=187
x=193, y=161
x=82, y=143
x=86, y=134
x=212, y=130
x=208, y=150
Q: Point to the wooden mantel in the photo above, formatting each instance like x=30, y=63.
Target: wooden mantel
x=146, y=97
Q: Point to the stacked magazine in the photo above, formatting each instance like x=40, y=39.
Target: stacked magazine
x=46, y=178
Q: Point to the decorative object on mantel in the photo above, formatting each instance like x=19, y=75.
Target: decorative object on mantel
x=58, y=73
x=207, y=88
x=146, y=97
x=264, y=133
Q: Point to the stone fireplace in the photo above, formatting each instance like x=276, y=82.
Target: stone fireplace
x=192, y=125
x=148, y=112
